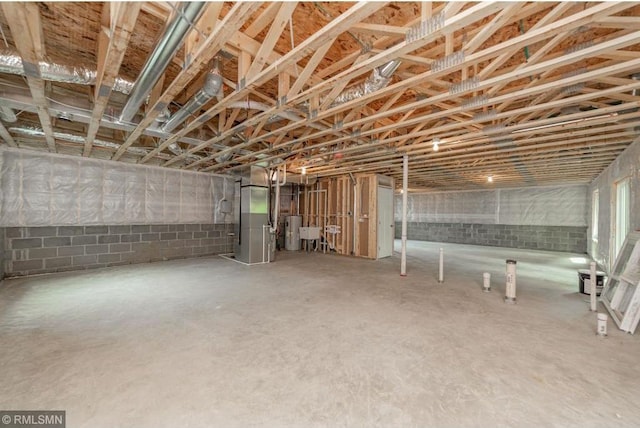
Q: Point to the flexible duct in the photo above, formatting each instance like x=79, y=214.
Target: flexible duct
x=166, y=48
x=81, y=140
x=211, y=87
x=380, y=77
x=11, y=63
x=20, y=99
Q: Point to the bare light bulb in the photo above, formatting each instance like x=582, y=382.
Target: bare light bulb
x=490, y=179
x=304, y=170
x=436, y=141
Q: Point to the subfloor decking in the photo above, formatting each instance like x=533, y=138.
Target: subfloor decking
x=317, y=340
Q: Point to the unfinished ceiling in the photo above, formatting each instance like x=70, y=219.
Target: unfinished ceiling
x=527, y=93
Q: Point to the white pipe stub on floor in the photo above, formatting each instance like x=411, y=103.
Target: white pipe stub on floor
x=510, y=291
x=486, y=282
x=602, y=324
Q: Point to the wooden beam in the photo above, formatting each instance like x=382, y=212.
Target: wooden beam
x=452, y=23
x=379, y=29
x=205, y=26
x=490, y=28
x=118, y=22
x=522, y=93
x=26, y=29
x=6, y=137
x=354, y=14
x=244, y=63
x=158, y=9
x=280, y=21
x=624, y=22
x=440, y=130
x=547, y=19
x=311, y=66
x=156, y=92
x=425, y=76
x=261, y=22
x=486, y=152
x=284, y=85
x=231, y=23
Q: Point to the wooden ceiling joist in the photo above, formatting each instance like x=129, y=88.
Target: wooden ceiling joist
x=118, y=22
x=515, y=89
x=26, y=30
x=210, y=47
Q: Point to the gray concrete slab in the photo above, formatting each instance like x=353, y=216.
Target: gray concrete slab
x=317, y=340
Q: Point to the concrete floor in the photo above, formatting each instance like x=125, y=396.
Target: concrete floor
x=317, y=340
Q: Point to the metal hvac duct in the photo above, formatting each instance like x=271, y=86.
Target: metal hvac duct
x=20, y=99
x=170, y=42
x=211, y=87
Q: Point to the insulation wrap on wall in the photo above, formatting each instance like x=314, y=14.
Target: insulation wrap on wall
x=41, y=189
x=536, y=206
x=626, y=165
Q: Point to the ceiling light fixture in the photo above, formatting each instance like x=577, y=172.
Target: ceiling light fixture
x=304, y=170
x=436, y=141
x=566, y=122
x=490, y=179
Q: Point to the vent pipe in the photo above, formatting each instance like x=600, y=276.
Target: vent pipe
x=387, y=70
x=166, y=48
x=211, y=87
x=380, y=77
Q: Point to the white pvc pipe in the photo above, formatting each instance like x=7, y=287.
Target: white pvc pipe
x=486, y=282
x=594, y=281
x=602, y=324
x=276, y=208
x=510, y=292
x=405, y=185
x=441, y=269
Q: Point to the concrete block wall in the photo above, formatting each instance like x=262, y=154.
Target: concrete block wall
x=34, y=250
x=571, y=239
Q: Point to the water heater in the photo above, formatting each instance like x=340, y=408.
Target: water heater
x=292, y=225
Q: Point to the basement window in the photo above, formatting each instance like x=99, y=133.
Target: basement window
x=623, y=194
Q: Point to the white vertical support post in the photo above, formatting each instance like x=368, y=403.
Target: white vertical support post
x=441, y=268
x=510, y=292
x=593, y=279
x=405, y=186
